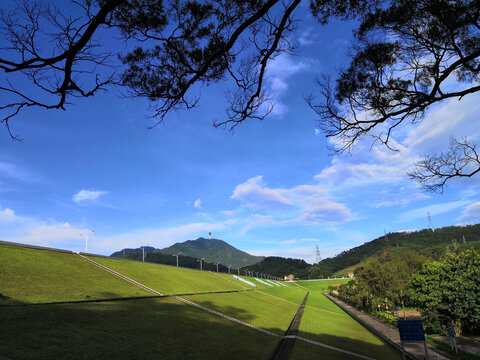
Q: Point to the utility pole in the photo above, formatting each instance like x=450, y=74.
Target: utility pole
x=86, y=238
x=200, y=260
x=229, y=266
x=143, y=253
x=217, y=264
x=238, y=271
x=177, y=257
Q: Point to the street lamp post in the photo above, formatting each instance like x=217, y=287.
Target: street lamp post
x=229, y=266
x=238, y=271
x=217, y=264
x=86, y=239
x=177, y=257
x=201, y=262
x=143, y=252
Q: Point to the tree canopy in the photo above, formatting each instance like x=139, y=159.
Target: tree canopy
x=447, y=291
x=409, y=55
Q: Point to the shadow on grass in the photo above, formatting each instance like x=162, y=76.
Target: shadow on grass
x=159, y=328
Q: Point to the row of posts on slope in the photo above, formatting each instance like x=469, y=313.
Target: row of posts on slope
x=247, y=272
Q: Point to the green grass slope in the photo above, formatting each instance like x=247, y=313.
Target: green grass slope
x=325, y=322
x=266, y=312
x=171, y=280
x=159, y=328
x=39, y=276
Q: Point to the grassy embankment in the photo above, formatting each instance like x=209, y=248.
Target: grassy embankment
x=39, y=276
x=325, y=322
x=160, y=327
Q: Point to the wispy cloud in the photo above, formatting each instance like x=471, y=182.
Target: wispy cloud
x=306, y=204
x=8, y=215
x=435, y=209
x=87, y=196
x=471, y=214
x=198, y=203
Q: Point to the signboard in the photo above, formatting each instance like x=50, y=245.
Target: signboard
x=451, y=332
x=411, y=330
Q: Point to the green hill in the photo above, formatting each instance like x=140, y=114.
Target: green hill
x=213, y=250
x=279, y=266
x=428, y=242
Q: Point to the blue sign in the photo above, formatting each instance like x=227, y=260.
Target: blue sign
x=411, y=330
x=451, y=332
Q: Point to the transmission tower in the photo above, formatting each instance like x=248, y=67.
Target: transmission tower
x=317, y=252
x=209, y=232
x=430, y=226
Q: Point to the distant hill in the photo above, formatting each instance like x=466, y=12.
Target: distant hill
x=431, y=243
x=213, y=250
x=148, y=249
x=280, y=266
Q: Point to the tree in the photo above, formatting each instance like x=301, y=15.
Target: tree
x=447, y=292
x=407, y=53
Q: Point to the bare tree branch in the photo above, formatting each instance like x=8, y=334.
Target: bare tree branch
x=434, y=170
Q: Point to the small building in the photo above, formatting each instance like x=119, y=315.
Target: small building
x=290, y=277
x=350, y=274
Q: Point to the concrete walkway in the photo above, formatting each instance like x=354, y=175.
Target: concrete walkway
x=387, y=333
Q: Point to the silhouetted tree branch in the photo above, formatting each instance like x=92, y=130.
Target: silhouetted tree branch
x=434, y=170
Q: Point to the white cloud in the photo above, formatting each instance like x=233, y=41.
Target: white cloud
x=87, y=196
x=306, y=204
x=56, y=235
x=277, y=78
x=8, y=215
x=198, y=203
x=435, y=209
x=288, y=242
x=471, y=213
x=253, y=194
x=317, y=132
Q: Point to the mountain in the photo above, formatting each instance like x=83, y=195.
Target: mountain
x=148, y=249
x=280, y=266
x=213, y=250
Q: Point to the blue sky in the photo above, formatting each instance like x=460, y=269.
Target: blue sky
x=269, y=188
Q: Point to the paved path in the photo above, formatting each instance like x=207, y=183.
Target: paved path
x=386, y=332
x=285, y=346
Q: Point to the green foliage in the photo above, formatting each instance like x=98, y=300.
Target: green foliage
x=279, y=266
x=427, y=242
x=448, y=291
x=383, y=282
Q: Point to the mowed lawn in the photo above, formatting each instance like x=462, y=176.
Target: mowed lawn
x=157, y=328
x=39, y=276
x=266, y=312
x=170, y=280
x=325, y=322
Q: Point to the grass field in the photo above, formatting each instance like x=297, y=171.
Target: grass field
x=160, y=328
x=325, y=322
x=38, y=276
x=269, y=313
x=171, y=280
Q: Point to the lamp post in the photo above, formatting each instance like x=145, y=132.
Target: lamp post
x=86, y=239
x=217, y=264
x=177, y=257
x=200, y=260
x=229, y=266
x=238, y=271
x=143, y=253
